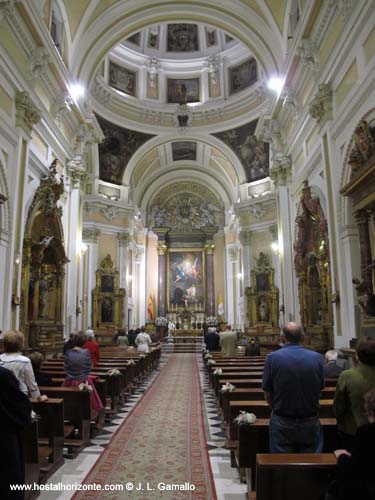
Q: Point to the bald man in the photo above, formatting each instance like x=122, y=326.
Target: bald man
x=292, y=380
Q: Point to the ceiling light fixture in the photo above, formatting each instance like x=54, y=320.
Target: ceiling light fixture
x=77, y=91
x=275, y=84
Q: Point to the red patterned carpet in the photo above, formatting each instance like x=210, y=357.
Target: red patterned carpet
x=161, y=442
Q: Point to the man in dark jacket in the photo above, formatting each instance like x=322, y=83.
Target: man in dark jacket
x=15, y=414
x=212, y=340
x=253, y=348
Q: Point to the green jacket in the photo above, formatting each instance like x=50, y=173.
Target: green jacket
x=351, y=387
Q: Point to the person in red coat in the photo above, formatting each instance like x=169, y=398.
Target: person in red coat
x=92, y=346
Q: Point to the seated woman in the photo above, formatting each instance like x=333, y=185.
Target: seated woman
x=355, y=471
x=78, y=365
x=43, y=379
x=122, y=339
x=20, y=365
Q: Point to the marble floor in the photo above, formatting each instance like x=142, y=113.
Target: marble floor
x=227, y=482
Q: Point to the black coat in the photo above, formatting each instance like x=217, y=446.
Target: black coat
x=212, y=341
x=355, y=474
x=15, y=414
x=253, y=349
x=332, y=369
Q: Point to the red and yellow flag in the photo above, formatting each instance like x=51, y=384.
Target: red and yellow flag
x=150, y=308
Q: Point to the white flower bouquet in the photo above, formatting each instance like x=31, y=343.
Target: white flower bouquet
x=228, y=387
x=245, y=418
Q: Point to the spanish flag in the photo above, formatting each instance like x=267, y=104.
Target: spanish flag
x=150, y=308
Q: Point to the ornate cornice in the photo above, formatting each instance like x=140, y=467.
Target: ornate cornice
x=90, y=234
x=38, y=63
x=321, y=106
x=27, y=114
x=7, y=8
x=281, y=169
x=77, y=172
x=124, y=239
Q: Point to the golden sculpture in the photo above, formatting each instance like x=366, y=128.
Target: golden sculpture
x=108, y=300
x=43, y=267
x=263, y=295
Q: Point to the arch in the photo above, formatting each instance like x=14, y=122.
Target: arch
x=172, y=137
x=114, y=25
x=148, y=194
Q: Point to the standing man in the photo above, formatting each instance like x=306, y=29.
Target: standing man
x=212, y=340
x=292, y=380
x=228, y=342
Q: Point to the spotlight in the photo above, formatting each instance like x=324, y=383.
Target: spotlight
x=276, y=84
x=76, y=91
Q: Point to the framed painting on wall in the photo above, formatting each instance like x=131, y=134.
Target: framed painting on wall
x=186, y=278
x=183, y=90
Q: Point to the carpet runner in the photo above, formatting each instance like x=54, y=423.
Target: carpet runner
x=161, y=443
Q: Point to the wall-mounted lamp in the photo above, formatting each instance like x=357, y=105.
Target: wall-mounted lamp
x=240, y=276
x=17, y=259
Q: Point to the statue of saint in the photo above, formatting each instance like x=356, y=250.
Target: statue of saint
x=263, y=310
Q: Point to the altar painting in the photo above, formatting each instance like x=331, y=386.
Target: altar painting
x=185, y=279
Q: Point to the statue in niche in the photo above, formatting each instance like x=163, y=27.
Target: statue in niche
x=263, y=310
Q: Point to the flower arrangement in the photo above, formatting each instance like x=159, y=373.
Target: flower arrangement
x=211, y=321
x=131, y=362
x=114, y=372
x=211, y=362
x=245, y=418
x=207, y=356
x=85, y=387
x=228, y=387
x=218, y=371
x=161, y=321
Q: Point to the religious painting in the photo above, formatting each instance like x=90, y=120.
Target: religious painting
x=116, y=149
x=182, y=37
x=242, y=76
x=253, y=154
x=153, y=37
x=136, y=39
x=185, y=278
x=122, y=79
x=108, y=283
x=211, y=37
x=107, y=310
x=183, y=90
x=184, y=150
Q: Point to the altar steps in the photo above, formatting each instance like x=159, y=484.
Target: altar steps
x=183, y=348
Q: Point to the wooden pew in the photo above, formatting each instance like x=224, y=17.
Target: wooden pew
x=254, y=438
x=262, y=410
x=293, y=476
x=50, y=415
x=77, y=415
x=29, y=438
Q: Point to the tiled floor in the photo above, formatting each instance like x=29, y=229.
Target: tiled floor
x=227, y=483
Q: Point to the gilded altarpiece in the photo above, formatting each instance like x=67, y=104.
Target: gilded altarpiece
x=43, y=267
x=361, y=190
x=312, y=266
x=108, y=299
x=263, y=295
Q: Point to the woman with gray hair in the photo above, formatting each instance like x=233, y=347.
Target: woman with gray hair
x=332, y=369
